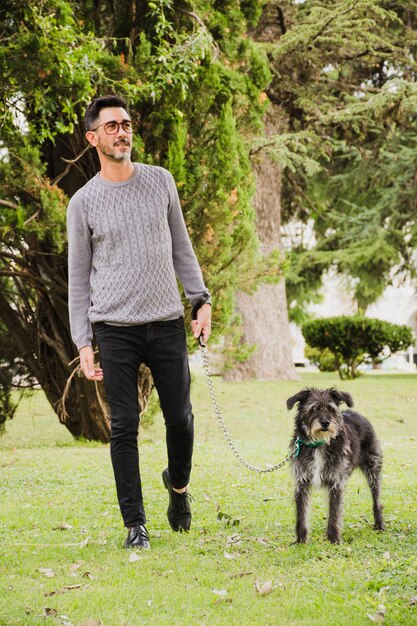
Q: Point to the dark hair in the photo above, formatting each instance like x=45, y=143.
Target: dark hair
x=103, y=102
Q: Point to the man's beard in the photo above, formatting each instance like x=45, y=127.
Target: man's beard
x=111, y=153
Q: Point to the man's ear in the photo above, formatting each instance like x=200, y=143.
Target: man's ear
x=91, y=138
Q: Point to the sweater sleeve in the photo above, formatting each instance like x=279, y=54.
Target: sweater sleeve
x=79, y=268
x=185, y=261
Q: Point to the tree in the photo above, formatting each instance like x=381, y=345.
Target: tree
x=193, y=80
x=343, y=78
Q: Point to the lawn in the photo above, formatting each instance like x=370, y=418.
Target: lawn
x=61, y=534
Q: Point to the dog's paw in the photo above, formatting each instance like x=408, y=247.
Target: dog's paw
x=299, y=540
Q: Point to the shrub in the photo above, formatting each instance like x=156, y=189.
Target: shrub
x=323, y=359
x=355, y=340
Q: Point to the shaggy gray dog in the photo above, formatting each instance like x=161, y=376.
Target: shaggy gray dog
x=330, y=445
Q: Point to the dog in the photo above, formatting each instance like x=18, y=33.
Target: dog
x=329, y=445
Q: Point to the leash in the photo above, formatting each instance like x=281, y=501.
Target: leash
x=253, y=468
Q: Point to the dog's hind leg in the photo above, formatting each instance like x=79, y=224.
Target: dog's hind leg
x=372, y=471
x=302, y=496
x=335, y=512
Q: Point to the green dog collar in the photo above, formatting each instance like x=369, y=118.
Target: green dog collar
x=308, y=444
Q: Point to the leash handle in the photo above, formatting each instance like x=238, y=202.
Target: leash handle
x=194, y=312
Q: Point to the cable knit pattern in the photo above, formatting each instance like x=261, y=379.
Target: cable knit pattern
x=127, y=243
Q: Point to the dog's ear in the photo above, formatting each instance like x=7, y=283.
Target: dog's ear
x=299, y=397
x=341, y=396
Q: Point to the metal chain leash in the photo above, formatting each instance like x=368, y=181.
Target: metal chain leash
x=259, y=470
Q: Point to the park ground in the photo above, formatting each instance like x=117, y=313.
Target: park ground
x=61, y=536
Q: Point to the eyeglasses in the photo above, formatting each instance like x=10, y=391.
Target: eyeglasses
x=112, y=128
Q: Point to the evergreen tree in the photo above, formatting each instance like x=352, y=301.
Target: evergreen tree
x=344, y=83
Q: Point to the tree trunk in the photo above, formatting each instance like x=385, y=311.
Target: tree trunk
x=265, y=313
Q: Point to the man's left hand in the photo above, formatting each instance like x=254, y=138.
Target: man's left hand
x=202, y=325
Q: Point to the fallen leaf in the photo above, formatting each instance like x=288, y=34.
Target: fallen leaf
x=59, y=592
x=413, y=600
x=220, y=592
x=75, y=566
x=229, y=556
x=63, y=527
x=92, y=622
x=65, y=620
x=222, y=599
x=53, y=593
x=379, y=616
x=265, y=589
x=387, y=555
x=84, y=543
x=262, y=540
x=88, y=575
x=49, y=612
x=47, y=571
x=240, y=574
x=134, y=557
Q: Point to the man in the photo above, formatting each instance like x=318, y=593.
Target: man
x=127, y=244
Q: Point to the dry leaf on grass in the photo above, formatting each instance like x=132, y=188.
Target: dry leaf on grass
x=65, y=621
x=413, y=600
x=222, y=599
x=75, y=566
x=240, y=574
x=264, y=589
x=88, y=575
x=92, y=622
x=379, y=616
x=84, y=543
x=53, y=593
x=262, y=540
x=49, y=612
x=220, y=592
x=63, y=527
x=134, y=557
x=59, y=592
x=227, y=555
x=47, y=571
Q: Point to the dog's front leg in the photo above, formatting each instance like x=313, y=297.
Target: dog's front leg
x=302, y=496
x=335, y=513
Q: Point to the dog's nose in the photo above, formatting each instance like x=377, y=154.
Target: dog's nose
x=325, y=423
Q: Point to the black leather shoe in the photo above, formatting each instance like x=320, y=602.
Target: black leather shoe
x=138, y=538
x=179, y=509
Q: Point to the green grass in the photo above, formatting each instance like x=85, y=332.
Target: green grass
x=47, y=479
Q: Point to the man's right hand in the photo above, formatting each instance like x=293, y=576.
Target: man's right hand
x=87, y=364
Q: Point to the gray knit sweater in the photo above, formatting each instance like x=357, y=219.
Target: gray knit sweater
x=127, y=243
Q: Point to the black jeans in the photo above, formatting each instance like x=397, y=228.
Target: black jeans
x=162, y=347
